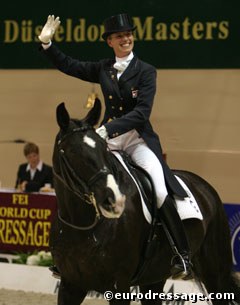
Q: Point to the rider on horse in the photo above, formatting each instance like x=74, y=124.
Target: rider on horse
x=129, y=85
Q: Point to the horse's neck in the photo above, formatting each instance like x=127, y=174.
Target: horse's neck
x=73, y=209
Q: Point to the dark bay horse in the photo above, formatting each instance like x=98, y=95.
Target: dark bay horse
x=100, y=234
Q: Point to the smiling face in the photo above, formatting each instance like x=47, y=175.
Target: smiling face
x=122, y=43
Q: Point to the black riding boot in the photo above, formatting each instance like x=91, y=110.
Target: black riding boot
x=181, y=264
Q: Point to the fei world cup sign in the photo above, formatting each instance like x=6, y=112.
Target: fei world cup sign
x=25, y=221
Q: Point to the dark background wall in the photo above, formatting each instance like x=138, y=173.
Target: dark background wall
x=195, y=47
x=169, y=34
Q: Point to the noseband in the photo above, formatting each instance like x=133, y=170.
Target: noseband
x=69, y=178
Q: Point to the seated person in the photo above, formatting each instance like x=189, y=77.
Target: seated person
x=32, y=176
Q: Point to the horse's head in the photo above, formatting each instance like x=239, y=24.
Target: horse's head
x=82, y=163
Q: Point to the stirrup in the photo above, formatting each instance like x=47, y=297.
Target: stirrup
x=181, y=270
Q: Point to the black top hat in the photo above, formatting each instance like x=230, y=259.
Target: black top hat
x=117, y=23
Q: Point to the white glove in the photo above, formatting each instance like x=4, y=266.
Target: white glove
x=102, y=131
x=49, y=29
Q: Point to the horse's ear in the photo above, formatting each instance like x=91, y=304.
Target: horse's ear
x=62, y=116
x=93, y=115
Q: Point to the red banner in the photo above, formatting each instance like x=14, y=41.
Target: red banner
x=25, y=221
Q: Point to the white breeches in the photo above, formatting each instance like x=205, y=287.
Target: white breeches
x=142, y=155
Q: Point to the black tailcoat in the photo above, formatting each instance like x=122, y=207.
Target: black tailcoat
x=128, y=101
x=39, y=179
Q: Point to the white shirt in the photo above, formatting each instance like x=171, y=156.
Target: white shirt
x=122, y=63
x=33, y=170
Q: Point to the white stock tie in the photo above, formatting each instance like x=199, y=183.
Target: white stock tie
x=121, y=66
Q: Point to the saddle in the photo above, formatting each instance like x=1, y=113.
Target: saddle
x=144, y=182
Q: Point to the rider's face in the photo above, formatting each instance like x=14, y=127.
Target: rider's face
x=122, y=43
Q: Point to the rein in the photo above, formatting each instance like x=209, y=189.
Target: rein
x=69, y=178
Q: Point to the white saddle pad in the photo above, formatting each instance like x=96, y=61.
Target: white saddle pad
x=187, y=207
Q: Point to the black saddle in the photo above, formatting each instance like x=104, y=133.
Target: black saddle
x=144, y=182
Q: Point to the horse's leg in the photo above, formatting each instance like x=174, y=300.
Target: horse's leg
x=69, y=294
x=123, y=287
x=214, y=261
x=151, y=289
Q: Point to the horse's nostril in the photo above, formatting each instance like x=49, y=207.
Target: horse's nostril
x=110, y=196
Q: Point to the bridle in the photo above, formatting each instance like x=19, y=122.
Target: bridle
x=69, y=178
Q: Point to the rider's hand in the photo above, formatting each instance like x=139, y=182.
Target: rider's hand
x=49, y=29
x=22, y=186
x=102, y=131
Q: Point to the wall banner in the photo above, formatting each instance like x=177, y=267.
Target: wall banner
x=175, y=34
x=233, y=213
x=25, y=221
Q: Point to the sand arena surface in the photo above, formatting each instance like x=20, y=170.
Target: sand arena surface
x=17, y=297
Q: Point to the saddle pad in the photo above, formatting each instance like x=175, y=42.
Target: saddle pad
x=187, y=207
